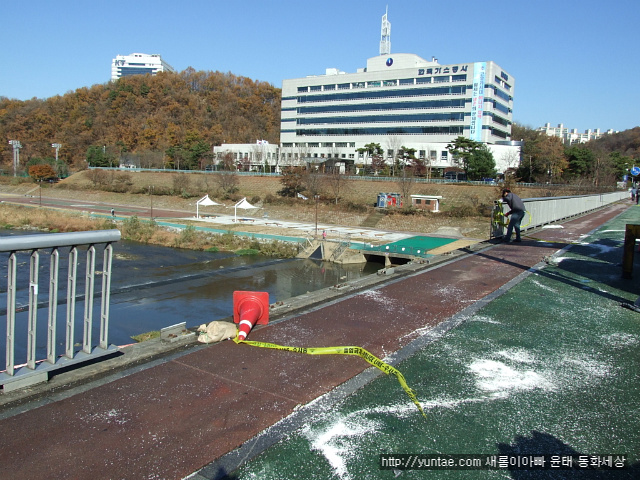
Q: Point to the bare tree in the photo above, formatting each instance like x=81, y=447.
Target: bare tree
x=227, y=181
x=312, y=180
x=405, y=183
x=336, y=182
x=393, y=143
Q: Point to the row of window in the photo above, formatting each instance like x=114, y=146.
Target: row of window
x=410, y=92
x=382, y=83
x=396, y=130
x=406, y=118
x=384, y=94
x=418, y=117
x=423, y=130
x=410, y=105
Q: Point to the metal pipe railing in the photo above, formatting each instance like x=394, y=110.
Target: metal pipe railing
x=33, y=370
x=546, y=210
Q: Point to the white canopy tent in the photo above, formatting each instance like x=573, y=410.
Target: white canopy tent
x=241, y=204
x=205, y=202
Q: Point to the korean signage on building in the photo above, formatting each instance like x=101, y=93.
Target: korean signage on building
x=477, y=101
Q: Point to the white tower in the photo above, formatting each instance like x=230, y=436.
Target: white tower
x=385, y=35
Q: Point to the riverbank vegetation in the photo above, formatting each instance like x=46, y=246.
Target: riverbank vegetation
x=133, y=228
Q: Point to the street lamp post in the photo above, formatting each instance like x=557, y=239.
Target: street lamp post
x=57, y=147
x=151, y=198
x=16, y=154
x=316, y=197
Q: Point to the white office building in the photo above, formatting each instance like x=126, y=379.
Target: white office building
x=138, y=64
x=398, y=100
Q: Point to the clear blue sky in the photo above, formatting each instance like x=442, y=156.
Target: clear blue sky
x=574, y=63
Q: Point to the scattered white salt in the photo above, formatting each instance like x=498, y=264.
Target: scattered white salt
x=496, y=376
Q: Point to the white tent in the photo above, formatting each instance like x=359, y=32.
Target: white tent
x=242, y=204
x=204, y=201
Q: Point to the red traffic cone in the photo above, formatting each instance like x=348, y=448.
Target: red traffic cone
x=249, y=309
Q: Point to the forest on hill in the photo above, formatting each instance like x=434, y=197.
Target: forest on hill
x=172, y=120
x=171, y=114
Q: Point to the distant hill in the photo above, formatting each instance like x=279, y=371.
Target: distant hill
x=185, y=111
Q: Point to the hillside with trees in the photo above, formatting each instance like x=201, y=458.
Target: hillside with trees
x=171, y=119
x=598, y=163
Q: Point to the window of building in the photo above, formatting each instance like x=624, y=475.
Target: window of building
x=344, y=86
x=352, y=156
x=303, y=89
x=357, y=84
x=459, y=78
x=327, y=145
x=421, y=154
x=441, y=79
x=418, y=201
x=377, y=83
x=407, y=81
x=423, y=80
x=329, y=87
x=316, y=88
x=390, y=83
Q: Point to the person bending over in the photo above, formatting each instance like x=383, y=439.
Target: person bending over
x=516, y=211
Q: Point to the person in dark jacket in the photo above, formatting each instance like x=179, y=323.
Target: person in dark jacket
x=516, y=211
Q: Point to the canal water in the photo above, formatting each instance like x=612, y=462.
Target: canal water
x=154, y=287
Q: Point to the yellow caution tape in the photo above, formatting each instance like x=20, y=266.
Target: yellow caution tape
x=361, y=352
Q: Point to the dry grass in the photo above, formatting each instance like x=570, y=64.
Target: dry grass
x=463, y=206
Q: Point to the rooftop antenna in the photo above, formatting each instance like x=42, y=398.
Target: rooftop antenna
x=385, y=35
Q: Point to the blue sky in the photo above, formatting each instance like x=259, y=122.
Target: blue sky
x=574, y=63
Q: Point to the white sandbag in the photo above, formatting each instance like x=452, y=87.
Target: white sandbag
x=216, y=331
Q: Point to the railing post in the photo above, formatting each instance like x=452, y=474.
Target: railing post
x=71, y=301
x=34, y=263
x=106, y=296
x=53, y=305
x=88, y=298
x=11, y=312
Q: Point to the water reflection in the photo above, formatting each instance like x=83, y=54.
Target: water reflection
x=154, y=287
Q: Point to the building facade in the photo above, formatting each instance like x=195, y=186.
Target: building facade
x=572, y=137
x=398, y=100
x=138, y=64
x=261, y=156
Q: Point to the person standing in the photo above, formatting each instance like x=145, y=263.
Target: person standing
x=113, y=213
x=516, y=211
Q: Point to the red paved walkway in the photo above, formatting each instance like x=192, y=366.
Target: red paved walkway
x=172, y=419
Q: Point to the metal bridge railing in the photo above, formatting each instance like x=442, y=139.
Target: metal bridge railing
x=18, y=246
x=546, y=210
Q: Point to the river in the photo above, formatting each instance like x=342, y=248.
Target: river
x=154, y=287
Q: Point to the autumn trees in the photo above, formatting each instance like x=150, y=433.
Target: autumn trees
x=600, y=162
x=175, y=117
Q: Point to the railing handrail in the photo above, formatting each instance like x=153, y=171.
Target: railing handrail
x=15, y=243
x=33, y=371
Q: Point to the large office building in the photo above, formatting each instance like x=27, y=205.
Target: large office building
x=138, y=64
x=398, y=100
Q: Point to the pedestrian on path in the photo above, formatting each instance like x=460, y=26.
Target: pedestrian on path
x=516, y=211
x=324, y=235
x=113, y=213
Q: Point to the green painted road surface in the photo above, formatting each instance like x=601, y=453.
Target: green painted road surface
x=551, y=367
